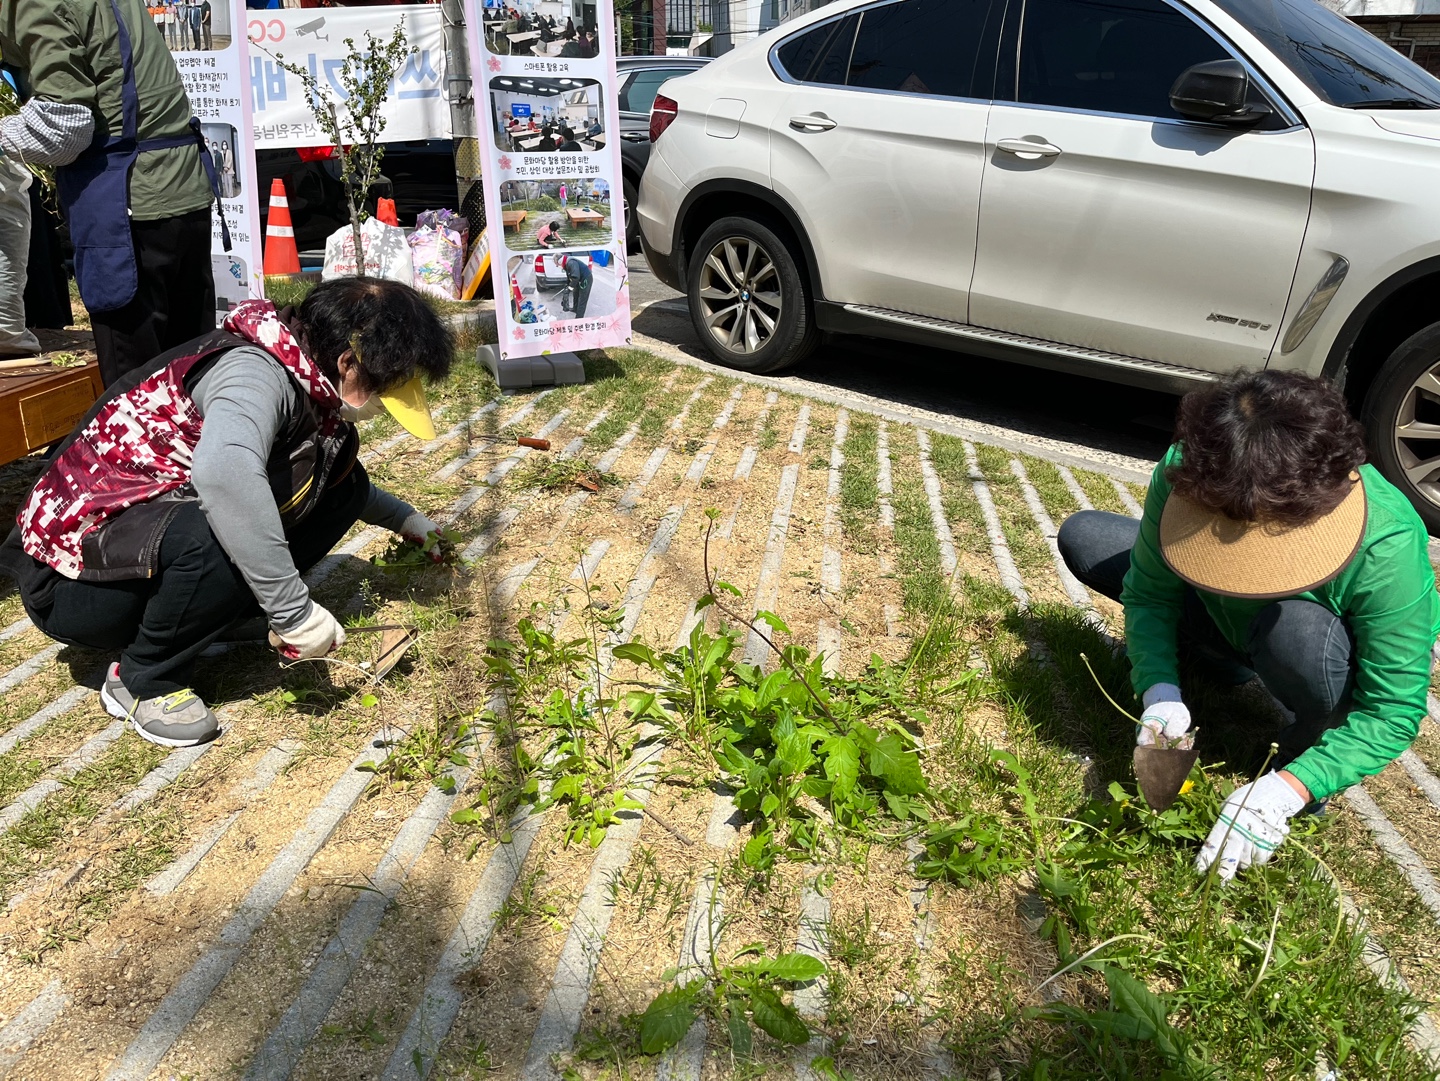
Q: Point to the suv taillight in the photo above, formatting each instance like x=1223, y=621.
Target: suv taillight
x=662, y=115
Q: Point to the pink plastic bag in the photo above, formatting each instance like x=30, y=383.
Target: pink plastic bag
x=437, y=250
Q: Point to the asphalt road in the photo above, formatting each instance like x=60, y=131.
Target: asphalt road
x=1093, y=413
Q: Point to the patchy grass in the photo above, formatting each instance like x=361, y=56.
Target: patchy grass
x=859, y=488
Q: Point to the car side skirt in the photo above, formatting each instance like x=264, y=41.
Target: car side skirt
x=926, y=330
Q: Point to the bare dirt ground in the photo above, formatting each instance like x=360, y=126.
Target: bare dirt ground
x=268, y=911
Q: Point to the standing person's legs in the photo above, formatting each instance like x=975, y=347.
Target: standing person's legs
x=16, y=339
x=1305, y=656
x=175, y=299
x=582, y=299
x=47, y=290
x=209, y=37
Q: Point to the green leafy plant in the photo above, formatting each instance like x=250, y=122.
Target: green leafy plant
x=747, y=991
x=1137, y=1018
x=799, y=748
x=404, y=555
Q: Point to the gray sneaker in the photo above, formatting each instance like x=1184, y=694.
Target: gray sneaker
x=179, y=719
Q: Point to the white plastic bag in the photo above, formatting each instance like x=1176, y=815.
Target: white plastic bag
x=386, y=253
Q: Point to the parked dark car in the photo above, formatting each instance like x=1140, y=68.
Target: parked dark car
x=418, y=175
x=640, y=78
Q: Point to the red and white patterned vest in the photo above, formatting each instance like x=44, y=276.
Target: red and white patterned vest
x=140, y=444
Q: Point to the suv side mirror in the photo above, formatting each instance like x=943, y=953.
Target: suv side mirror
x=1217, y=92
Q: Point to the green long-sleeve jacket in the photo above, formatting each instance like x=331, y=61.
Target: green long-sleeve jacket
x=70, y=52
x=1386, y=595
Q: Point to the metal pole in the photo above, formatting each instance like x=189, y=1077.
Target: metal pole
x=460, y=92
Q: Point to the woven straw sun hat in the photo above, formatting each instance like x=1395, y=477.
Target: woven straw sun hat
x=1257, y=559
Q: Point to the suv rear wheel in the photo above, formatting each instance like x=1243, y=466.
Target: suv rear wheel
x=1402, y=421
x=748, y=300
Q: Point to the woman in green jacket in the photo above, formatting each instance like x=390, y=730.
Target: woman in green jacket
x=1268, y=548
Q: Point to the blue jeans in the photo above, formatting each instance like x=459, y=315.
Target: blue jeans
x=1302, y=652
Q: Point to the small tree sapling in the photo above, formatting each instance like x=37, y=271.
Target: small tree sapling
x=348, y=111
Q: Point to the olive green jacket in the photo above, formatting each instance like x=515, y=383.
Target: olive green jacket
x=70, y=52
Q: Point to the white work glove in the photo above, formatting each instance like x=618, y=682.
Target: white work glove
x=417, y=528
x=1248, y=835
x=319, y=634
x=1166, y=720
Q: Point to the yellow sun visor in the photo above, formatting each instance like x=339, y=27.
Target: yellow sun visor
x=406, y=403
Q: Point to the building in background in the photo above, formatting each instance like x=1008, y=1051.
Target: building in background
x=714, y=27
x=700, y=27
x=1410, y=26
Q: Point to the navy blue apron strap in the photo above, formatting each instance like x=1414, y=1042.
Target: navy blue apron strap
x=196, y=136
x=130, y=109
x=129, y=96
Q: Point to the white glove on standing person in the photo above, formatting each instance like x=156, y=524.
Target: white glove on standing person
x=1252, y=823
x=317, y=635
x=1166, y=720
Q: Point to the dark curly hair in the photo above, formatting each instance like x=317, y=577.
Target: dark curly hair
x=393, y=329
x=1269, y=446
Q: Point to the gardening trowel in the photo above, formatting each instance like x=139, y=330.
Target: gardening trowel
x=395, y=641
x=1161, y=772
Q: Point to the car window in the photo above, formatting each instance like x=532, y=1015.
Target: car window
x=822, y=54
x=639, y=93
x=1343, y=63
x=1108, y=56
x=942, y=47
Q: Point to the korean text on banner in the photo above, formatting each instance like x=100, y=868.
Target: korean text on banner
x=314, y=38
x=213, y=58
x=548, y=118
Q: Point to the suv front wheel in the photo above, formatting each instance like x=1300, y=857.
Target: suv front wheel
x=1402, y=422
x=748, y=300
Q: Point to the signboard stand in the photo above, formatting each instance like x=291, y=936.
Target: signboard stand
x=521, y=373
x=547, y=118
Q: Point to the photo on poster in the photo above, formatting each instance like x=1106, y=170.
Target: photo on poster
x=193, y=25
x=222, y=145
x=561, y=287
x=568, y=212
x=232, y=280
x=560, y=28
x=547, y=115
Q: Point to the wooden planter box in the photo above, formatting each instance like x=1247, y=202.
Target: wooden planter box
x=40, y=409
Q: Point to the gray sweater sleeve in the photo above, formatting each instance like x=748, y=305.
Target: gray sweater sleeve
x=245, y=399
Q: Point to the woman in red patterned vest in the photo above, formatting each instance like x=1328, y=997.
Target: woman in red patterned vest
x=191, y=498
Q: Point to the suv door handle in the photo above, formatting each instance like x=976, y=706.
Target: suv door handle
x=813, y=122
x=1026, y=148
x=635, y=136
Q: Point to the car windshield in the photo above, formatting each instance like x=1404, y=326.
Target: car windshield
x=1341, y=62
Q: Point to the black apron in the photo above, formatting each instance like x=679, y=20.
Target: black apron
x=94, y=193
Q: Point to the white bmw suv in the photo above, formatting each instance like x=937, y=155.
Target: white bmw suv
x=1144, y=190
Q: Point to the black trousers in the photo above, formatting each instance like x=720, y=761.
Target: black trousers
x=175, y=300
x=1302, y=652
x=47, y=293
x=580, y=296
x=161, y=625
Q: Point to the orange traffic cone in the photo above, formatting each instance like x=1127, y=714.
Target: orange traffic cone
x=281, y=256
